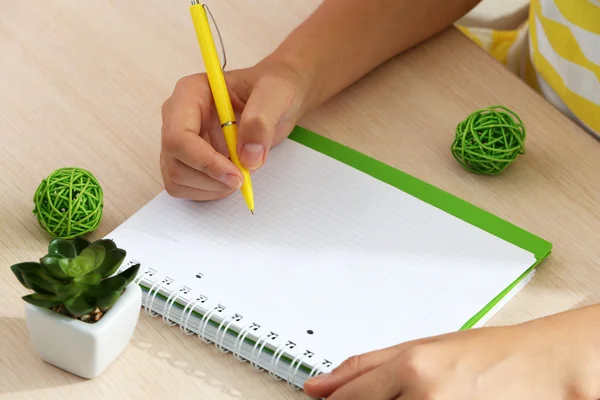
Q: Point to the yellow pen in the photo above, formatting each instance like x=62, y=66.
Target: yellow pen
x=220, y=93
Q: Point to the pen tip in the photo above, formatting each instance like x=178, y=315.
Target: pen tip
x=252, y=211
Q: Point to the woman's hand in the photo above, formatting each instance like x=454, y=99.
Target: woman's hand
x=323, y=55
x=268, y=101
x=532, y=361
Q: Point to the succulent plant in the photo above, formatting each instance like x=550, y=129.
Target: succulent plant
x=76, y=277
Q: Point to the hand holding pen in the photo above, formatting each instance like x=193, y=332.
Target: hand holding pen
x=195, y=156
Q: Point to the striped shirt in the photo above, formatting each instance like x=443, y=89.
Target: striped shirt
x=557, y=52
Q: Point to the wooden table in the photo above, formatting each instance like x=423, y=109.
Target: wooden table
x=82, y=84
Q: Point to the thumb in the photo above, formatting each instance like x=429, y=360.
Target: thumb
x=266, y=107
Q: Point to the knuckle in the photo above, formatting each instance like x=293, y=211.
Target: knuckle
x=171, y=188
x=416, y=363
x=352, y=363
x=170, y=143
x=420, y=366
x=183, y=82
x=174, y=174
x=190, y=82
x=256, y=123
x=163, y=108
x=203, y=165
x=207, y=162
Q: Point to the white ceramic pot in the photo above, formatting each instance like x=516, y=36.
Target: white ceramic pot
x=82, y=348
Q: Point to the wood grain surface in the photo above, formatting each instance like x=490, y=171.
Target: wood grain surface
x=82, y=83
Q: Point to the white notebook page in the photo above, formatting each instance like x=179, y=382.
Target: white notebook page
x=356, y=261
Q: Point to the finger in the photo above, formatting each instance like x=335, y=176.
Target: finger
x=184, y=175
x=183, y=116
x=323, y=385
x=191, y=97
x=206, y=136
x=381, y=383
x=217, y=137
x=259, y=120
x=186, y=192
x=198, y=154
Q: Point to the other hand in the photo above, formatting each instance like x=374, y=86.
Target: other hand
x=194, y=159
x=523, y=362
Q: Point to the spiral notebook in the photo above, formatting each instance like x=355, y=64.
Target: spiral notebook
x=344, y=255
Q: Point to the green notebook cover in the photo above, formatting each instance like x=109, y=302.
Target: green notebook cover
x=434, y=196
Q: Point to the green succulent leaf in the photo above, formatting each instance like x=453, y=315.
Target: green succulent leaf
x=111, y=262
x=130, y=273
x=42, y=300
x=92, y=278
x=53, y=266
x=83, y=263
x=62, y=247
x=19, y=275
x=99, y=253
x=71, y=289
x=107, y=301
x=78, y=306
x=78, y=274
x=65, y=265
x=38, y=289
x=41, y=282
x=28, y=266
x=25, y=267
x=80, y=243
x=108, y=244
x=107, y=286
x=86, y=262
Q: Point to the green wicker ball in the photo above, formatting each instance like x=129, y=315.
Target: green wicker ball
x=68, y=203
x=489, y=140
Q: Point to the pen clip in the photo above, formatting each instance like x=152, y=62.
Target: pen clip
x=197, y=2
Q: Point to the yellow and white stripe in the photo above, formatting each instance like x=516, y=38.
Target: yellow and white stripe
x=505, y=46
x=565, y=52
x=557, y=51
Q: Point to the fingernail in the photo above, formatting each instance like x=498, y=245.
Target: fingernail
x=318, y=379
x=251, y=155
x=231, y=181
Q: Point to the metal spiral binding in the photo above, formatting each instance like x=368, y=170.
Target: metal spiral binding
x=156, y=287
x=244, y=332
x=255, y=355
x=204, y=323
x=277, y=357
x=298, y=360
x=224, y=326
x=171, y=301
x=219, y=342
x=183, y=327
